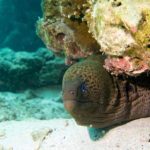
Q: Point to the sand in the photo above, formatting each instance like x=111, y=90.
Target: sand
x=65, y=134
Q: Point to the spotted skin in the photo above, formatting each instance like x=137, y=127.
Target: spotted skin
x=95, y=98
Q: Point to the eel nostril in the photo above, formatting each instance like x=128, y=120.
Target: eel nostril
x=72, y=92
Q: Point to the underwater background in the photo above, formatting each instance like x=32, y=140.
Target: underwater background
x=30, y=75
x=32, y=114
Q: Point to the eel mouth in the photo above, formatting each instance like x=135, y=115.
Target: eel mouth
x=76, y=107
x=87, y=113
x=91, y=123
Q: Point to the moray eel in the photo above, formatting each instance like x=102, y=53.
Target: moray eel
x=97, y=99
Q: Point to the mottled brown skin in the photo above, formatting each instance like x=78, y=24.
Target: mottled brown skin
x=106, y=100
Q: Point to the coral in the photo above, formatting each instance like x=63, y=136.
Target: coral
x=143, y=34
x=23, y=70
x=63, y=30
x=106, y=20
x=114, y=23
x=118, y=28
x=125, y=65
x=122, y=28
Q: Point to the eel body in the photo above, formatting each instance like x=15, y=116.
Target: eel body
x=97, y=99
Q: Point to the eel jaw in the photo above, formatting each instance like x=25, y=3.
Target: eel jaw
x=84, y=113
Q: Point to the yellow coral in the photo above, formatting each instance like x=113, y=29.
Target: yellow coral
x=143, y=34
x=50, y=9
x=79, y=28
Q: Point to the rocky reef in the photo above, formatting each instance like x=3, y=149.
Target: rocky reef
x=120, y=29
x=23, y=70
x=63, y=30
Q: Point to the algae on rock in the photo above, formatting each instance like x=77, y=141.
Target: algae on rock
x=63, y=30
x=118, y=28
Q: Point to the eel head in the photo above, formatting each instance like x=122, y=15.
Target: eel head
x=87, y=89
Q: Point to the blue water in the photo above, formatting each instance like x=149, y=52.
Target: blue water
x=17, y=24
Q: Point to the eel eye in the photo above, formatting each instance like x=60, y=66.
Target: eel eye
x=83, y=88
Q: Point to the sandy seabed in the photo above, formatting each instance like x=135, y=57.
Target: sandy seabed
x=64, y=134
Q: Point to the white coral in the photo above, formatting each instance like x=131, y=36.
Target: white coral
x=114, y=22
x=117, y=42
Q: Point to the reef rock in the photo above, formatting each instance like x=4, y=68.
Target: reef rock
x=119, y=29
x=22, y=70
x=63, y=30
x=122, y=28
